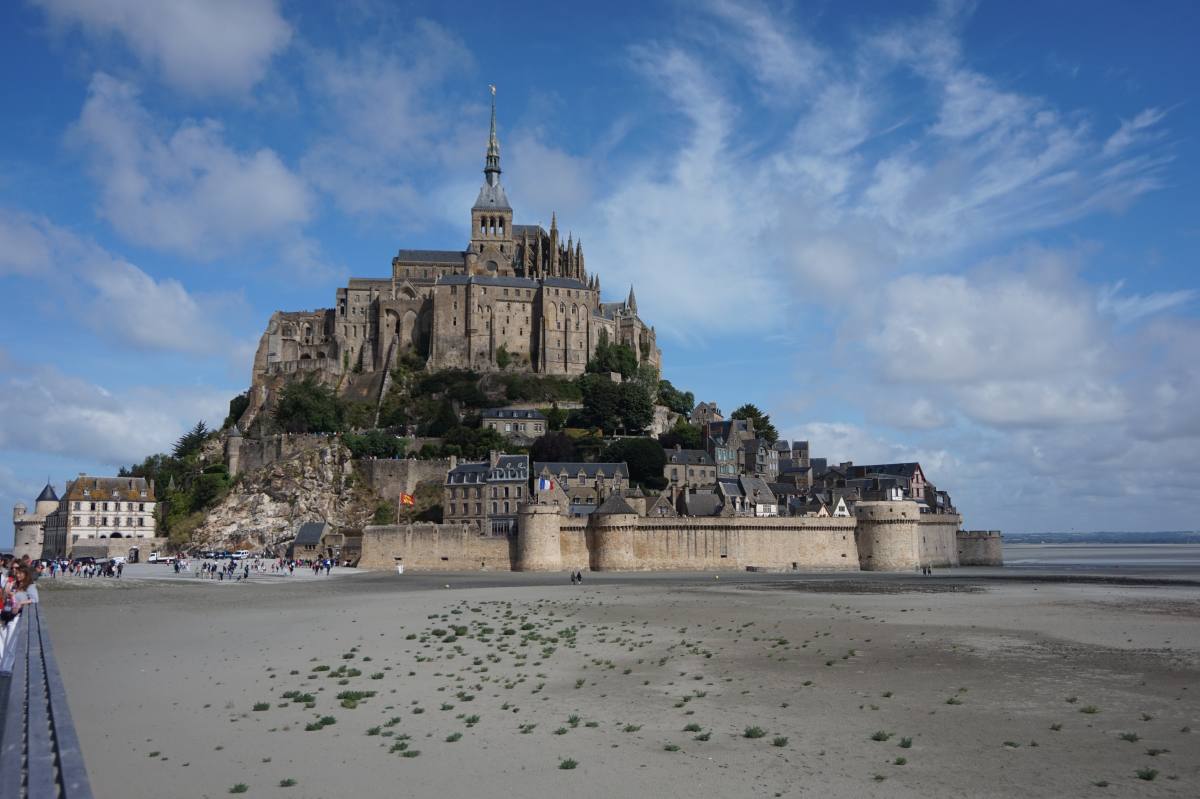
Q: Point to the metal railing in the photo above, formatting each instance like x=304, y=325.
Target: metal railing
x=39, y=750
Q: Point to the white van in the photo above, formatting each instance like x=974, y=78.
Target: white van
x=241, y=553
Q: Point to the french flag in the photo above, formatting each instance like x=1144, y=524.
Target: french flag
x=545, y=484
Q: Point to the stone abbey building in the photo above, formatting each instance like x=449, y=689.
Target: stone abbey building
x=517, y=294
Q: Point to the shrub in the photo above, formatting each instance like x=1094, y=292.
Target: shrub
x=260, y=706
x=1089, y=709
x=242, y=787
x=287, y=782
x=753, y=732
x=779, y=740
x=881, y=735
x=567, y=764
x=452, y=737
x=906, y=743
x=671, y=747
x=693, y=727
x=1147, y=774
x=1132, y=737
x=900, y=761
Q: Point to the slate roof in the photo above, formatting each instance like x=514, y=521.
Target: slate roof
x=508, y=467
x=691, y=457
x=510, y=413
x=99, y=488
x=492, y=198
x=614, y=504
x=310, y=534
x=752, y=484
x=701, y=504
x=901, y=469
x=430, y=257
x=590, y=470
x=47, y=494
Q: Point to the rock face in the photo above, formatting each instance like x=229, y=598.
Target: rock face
x=265, y=506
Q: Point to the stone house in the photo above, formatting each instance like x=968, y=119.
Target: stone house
x=748, y=496
x=97, y=509
x=519, y=425
x=486, y=495
x=578, y=488
x=689, y=468
x=704, y=413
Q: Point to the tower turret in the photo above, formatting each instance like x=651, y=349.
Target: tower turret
x=491, y=216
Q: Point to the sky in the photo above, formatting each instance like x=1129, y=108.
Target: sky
x=959, y=233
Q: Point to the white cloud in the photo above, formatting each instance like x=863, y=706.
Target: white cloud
x=48, y=411
x=383, y=133
x=1134, y=131
x=116, y=298
x=24, y=249
x=1128, y=308
x=200, y=46
x=186, y=191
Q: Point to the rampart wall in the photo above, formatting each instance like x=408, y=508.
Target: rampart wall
x=255, y=453
x=434, y=547
x=980, y=548
x=938, y=545
x=389, y=477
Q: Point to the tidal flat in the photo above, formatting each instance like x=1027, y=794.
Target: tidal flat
x=691, y=685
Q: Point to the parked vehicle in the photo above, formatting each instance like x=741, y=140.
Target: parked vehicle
x=241, y=553
x=160, y=557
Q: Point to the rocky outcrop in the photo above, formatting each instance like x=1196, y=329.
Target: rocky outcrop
x=266, y=505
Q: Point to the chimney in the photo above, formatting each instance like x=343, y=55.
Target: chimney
x=493, y=458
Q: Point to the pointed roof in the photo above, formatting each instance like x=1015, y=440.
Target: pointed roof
x=234, y=432
x=491, y=193
x=47, y=494
x=632, y=301
x=613, y=505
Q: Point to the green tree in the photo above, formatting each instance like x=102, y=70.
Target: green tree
x=644, y=457
x=686, y=436
x=191, y=441
x=307, y=406
x=556, y=417
x=678, y=401
x=445, y=420
x=503, y=359
x=762, y=422
x=237, y=407
x=609, y=357
x=634, y=406
x=375, y=444
x=601, y=402
x=554, y=448
x=474, y=443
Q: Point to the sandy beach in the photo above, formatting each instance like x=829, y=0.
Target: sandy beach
x=649, y=685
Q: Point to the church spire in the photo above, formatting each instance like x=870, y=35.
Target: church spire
x=491, y=169
x=631, y=303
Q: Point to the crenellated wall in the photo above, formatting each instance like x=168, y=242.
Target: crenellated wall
x=885, y=536
x=980, y=548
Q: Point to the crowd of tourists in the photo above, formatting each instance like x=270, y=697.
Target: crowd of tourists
x=18, y=589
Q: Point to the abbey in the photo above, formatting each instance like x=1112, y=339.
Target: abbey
x=516, y=296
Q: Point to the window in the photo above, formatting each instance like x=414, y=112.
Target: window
x=506, y=506
x=494, y=508
x=76, y=506
x=141, y=522
x=75, y=520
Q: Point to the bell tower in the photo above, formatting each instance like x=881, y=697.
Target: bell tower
x=491, y=217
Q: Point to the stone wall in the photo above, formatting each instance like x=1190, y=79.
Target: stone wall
x=980, y=548
x=890, y=536
x=434, y=547
x=936, y=533
x=256, y=453
x=778, y=543
x=388, y=478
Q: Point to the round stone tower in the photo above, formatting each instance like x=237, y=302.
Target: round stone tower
x=538, y=548
x=887, y=536
x=980, y=548
x=233, y=450
x=613, y=526
x=19, y=511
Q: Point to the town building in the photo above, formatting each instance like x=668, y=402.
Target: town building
x=485, y=495
x=578, y=488
x=96, y=510
x=518, y=425
x=704, y=413
x=686, y=468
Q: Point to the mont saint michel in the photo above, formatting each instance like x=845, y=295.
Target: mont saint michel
x=741, y=398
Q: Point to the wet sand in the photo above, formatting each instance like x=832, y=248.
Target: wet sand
x=648, y=682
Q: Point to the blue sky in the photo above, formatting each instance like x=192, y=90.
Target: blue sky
x=960, y=233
